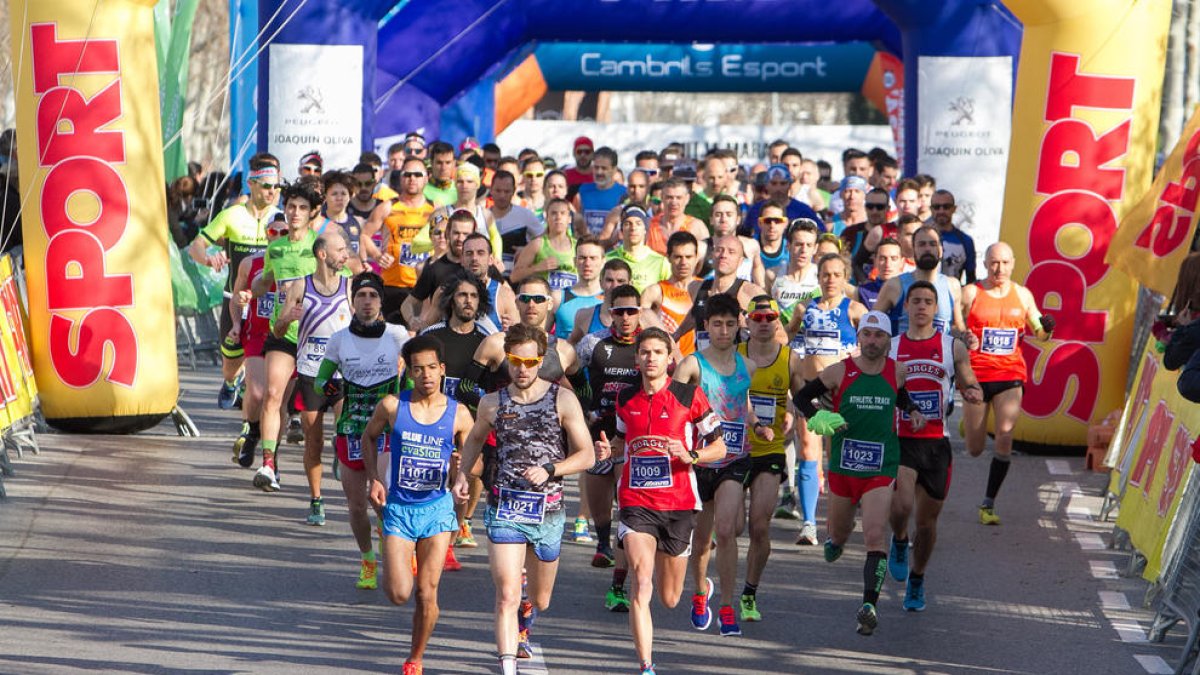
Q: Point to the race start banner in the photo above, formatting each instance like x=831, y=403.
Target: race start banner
x=102, y=325
x=1156, y=235
x=1153, y=447
x=18, y=389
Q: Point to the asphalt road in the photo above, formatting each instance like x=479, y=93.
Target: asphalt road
x=153, y=553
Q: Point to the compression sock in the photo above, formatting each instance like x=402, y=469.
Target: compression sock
x=619, y=577
x=750, y=589
x=916, y=579
x=254, y=429
x=810, y=488
x=268, y=446
x=603, y=535
x=996, y=474
x=873, y=573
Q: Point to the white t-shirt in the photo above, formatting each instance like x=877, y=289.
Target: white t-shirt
x=367, y=361
x=519, y=217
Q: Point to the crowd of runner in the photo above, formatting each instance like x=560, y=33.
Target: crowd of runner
x=705, y=345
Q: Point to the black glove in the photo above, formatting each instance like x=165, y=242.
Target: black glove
x=1048, y=323
x=332, y=389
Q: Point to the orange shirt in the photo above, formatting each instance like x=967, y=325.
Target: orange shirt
x=998, y=323
x=656, y=234
x=402, y=225
x=675, y=306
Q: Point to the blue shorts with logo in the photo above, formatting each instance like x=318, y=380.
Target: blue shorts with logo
x=545, y=537
x=414, y=522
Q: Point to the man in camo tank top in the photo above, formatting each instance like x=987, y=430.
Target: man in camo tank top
x=541, y=436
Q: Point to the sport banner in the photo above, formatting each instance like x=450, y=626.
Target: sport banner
x=1156, y=234
x=18, y=390
x=101, y=322
x=1085, y=117
x=1154, y=458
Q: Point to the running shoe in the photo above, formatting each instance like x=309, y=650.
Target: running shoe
x=898, y=560
x=914, y=595
x=367, y=580
x=701, y=613
x=867, y=619
x=524, y=649
x=647, y=669
x=451, y=564
x=832, y=551
x=987, y=516
x=245, y=447
x=729, y=624
x=750, y=609
x=411, y=668
x=295, y=432
x=787, y=507
x=227, y=395
x=615, y=600
x=579, y=533
x=808, y=535
x=265, y=479
x=316, y=512
x=464, y=538
x=604, y=557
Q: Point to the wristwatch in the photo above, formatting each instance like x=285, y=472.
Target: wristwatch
x=548, y=467
x=694, y=455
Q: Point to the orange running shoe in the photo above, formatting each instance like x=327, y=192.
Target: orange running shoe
x=452, y=564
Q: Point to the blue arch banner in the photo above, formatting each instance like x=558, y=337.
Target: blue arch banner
x=592, y=66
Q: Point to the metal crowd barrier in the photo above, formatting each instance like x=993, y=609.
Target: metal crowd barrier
x=197, y=335
x=1178, y=591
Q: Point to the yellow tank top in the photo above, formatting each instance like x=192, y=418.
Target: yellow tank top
x=768, y=398
x=402, y=225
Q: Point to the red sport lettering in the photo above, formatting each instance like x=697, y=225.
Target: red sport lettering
x=1082, y=182
x=1177, y=464
x=78, y=154
x=1142, y=473
x=12, y=309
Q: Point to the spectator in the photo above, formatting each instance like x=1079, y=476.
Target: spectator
x=1183, y=346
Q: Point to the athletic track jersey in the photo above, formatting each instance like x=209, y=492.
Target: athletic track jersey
x=929, y=378
x=611, y=368
x=998, y=323
x=527, y=435
x=323, y=316
x=942, y=321
x=728, y=396
x=564, y=316
x=769, y=397
x=258, y=311
x=826, y=332
x=244, y=235
x=370, y=368
x=651, y=477
x=420, y=454
x=792, y=293
x=868, y=446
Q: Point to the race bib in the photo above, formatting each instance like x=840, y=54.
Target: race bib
x=929, y=403
x=764, y=409
x=560, y=280
x=265, y=305
x=518, y=506
x=998, y=341
x=353, y=448
x=595, y=221
x=940, y=325
x=734, y=435
x=649, y=464
x=408, y=258
x=702, y=340
x=797, y=344
x=862, y=456
x=450, y=385
x=314, y=349
x=822, y=342
x=421, y=474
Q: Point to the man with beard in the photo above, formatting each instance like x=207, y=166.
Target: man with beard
x=927, y=247
x=476, y=260
x=864, y=453
x=367, y=355
x=958, y=248
x=540, y=437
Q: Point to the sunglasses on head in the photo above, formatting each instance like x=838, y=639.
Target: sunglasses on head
x=763, y=316
x=535, y=298
x=877, y=207
x=531, y=362
x=625, y=311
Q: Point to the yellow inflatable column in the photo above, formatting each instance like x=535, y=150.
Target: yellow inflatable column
x=1085, y=117
x=90, y=155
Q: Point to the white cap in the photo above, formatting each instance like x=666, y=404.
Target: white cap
x=877, y=320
